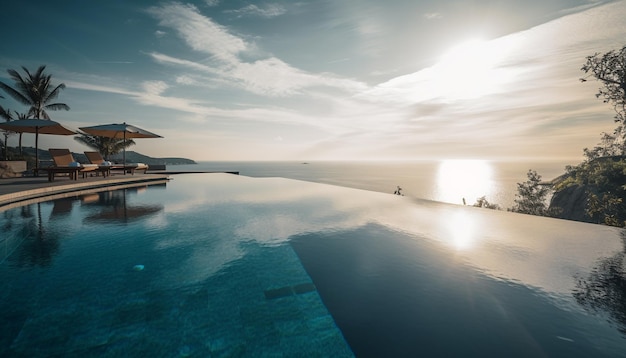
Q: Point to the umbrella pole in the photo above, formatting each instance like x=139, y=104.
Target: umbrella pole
x=124, y=152
x=36, y=170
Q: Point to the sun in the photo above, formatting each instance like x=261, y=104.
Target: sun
x=470, y=70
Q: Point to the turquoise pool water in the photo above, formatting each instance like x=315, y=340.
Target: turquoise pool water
x=218, y=265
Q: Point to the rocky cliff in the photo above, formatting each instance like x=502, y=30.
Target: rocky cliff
x=570, y=203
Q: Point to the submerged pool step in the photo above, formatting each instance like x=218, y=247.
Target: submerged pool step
x=289, y=291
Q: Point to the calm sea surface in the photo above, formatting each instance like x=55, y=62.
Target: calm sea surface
x=448, y=180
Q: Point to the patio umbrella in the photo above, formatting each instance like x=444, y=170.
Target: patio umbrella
x=37, y=126
x=119, y=130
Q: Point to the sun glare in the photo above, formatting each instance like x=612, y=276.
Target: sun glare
x=460, y=181
x=462, y=231
x=469, y=70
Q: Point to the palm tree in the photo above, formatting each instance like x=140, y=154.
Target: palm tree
x=7, y=117
x=35, y=90
x=106, y=146
x=6, y=114
x=20, y=116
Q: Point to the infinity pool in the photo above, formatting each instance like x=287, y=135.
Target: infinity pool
x=219, y=265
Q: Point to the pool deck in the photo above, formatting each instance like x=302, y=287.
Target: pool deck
x=25, y=190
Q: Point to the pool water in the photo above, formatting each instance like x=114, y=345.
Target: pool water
x=219, y=265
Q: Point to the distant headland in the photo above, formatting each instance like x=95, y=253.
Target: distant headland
x=134, y=157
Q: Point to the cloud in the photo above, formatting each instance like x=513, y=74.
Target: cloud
x=199, y=32
x=580, y=8
x=99, y=88
x=212, y=3
x=165, y=59
x=274, y=77
x=433, y=16
x=265, y=76
x=159, y=33
x=533, y=100
x=529, y=67
x=151, y=93
x=186, y=80
x=115, y=62
x=154, y=87
x=267, y=11
x=269, y=77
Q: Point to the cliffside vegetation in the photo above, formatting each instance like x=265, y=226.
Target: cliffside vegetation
x=531, y=196
x=595, y=190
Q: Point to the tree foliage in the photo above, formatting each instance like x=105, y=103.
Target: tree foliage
x=610, y=145
x=36, y=91
x=604, y=172
x=531, y=196
x=104, y=145
x=7, y=116
x=604, y=181
x=610, y=69
x=482, y=202
x=606, y=208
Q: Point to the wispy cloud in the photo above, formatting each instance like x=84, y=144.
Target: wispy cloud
x=433, y=16
x=99, y=88
x=152, y=94
x=154, y=87
x=583, y=7
x=275, y=77
x=266, y=11
x=199, y=32
x=165, y=59
x=115, y=62
x=534, y=97
x=266, y=76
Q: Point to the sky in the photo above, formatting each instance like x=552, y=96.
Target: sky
x=323, y=79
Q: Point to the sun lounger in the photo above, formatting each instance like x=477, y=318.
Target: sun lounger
x=64, y=163
x=96, y=158
x=132, y=167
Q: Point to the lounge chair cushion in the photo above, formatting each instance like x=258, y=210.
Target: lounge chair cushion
x=137, y=165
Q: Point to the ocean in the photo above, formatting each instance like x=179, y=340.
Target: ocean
x=451, y=181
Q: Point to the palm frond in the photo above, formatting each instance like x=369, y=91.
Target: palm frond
x=6, y=114
x=39, y=70
x=104, y=145
x=36, y=91
x=54, y=93
x=15, y=76
x=57, y=106
x=16, y=95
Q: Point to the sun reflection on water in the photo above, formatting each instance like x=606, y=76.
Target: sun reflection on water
x=460, y=181
x=462, y=229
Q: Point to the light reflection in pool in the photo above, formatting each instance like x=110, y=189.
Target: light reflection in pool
x=461, y=230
